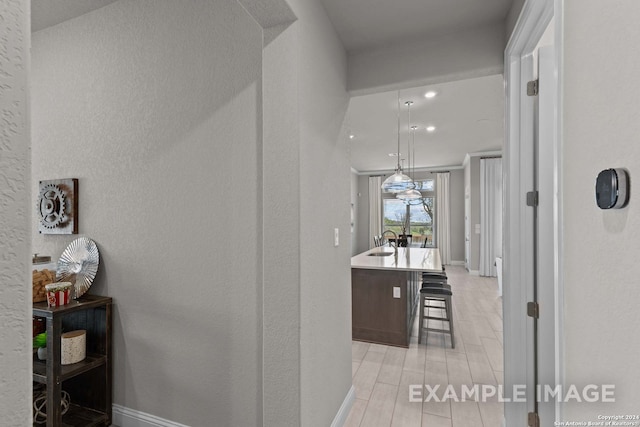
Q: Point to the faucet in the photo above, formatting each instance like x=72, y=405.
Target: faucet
x=395, y=246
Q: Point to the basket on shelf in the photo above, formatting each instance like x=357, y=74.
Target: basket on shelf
x=40, y=405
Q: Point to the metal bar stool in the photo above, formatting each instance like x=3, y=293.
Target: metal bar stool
x=440, y=292
x=434, y=276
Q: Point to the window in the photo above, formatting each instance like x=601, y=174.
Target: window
x=394, y=215
x=421, y=221
x=425, y=185
x=417, y=220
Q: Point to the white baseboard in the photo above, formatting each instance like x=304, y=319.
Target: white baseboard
x=125, y=417
x=345, y=408
x=457, y=263
x=474, y=272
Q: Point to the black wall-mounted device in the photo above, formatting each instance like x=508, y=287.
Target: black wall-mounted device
x=612, y=189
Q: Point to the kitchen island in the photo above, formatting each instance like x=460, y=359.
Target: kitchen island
x=385, y=287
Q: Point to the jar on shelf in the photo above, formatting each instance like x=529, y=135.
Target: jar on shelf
x=44, y=272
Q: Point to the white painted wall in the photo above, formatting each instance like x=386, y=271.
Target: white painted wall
x=127, y=95
x=473, y=53
x=474, y=176
x=601, y=248
x=281, y=229
x=467, y=215
x=155, y=107
x=363, y=214
x=512, y=17
x=15, y=211
x=456, y=190
x=325, y=272
x=354, y=207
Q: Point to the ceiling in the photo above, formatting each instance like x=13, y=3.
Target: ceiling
x=365, y=24
x=47, y=13
x=468, y=116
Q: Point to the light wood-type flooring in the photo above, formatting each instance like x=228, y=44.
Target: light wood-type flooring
x=382, y=374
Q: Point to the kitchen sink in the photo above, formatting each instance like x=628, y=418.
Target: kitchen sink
x=381, y=254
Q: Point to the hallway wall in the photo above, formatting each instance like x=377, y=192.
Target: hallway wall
x=601, y=247
x=325, y=176
x=134, y=100
x=15, y=211
x=155, y=107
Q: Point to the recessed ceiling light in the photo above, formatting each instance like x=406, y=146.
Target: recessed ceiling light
x=351, y=136
x=430, y=94
x=431, y=128
x=395, y=154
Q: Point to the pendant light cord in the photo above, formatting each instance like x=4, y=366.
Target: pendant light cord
x=398, y=117
x=413, y=154
x=408, y=104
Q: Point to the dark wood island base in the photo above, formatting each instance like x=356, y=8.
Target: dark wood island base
x=378, y=316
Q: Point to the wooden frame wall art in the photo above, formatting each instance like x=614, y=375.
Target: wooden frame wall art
x=57, y=206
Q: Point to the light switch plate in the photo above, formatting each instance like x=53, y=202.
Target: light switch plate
x=477, y=228
x=396, y=291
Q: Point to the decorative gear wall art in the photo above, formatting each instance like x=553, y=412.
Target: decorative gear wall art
x=51, y=206
x=57, y=206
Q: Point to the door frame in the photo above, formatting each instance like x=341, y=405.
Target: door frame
x=467, y=228
x=518, y=178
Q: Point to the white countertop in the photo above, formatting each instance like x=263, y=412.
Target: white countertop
x=409, y=259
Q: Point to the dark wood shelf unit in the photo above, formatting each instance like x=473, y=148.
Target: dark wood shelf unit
x=88, y=382
x=67, y=371
x=86, y=301
x=79, y=416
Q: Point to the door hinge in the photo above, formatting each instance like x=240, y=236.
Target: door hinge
x=532, y=88
x=533, y=419
x=533, y=310
x=532, y=198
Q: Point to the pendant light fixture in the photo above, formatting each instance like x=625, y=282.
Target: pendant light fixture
x=398, y=181
x=410, y=193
